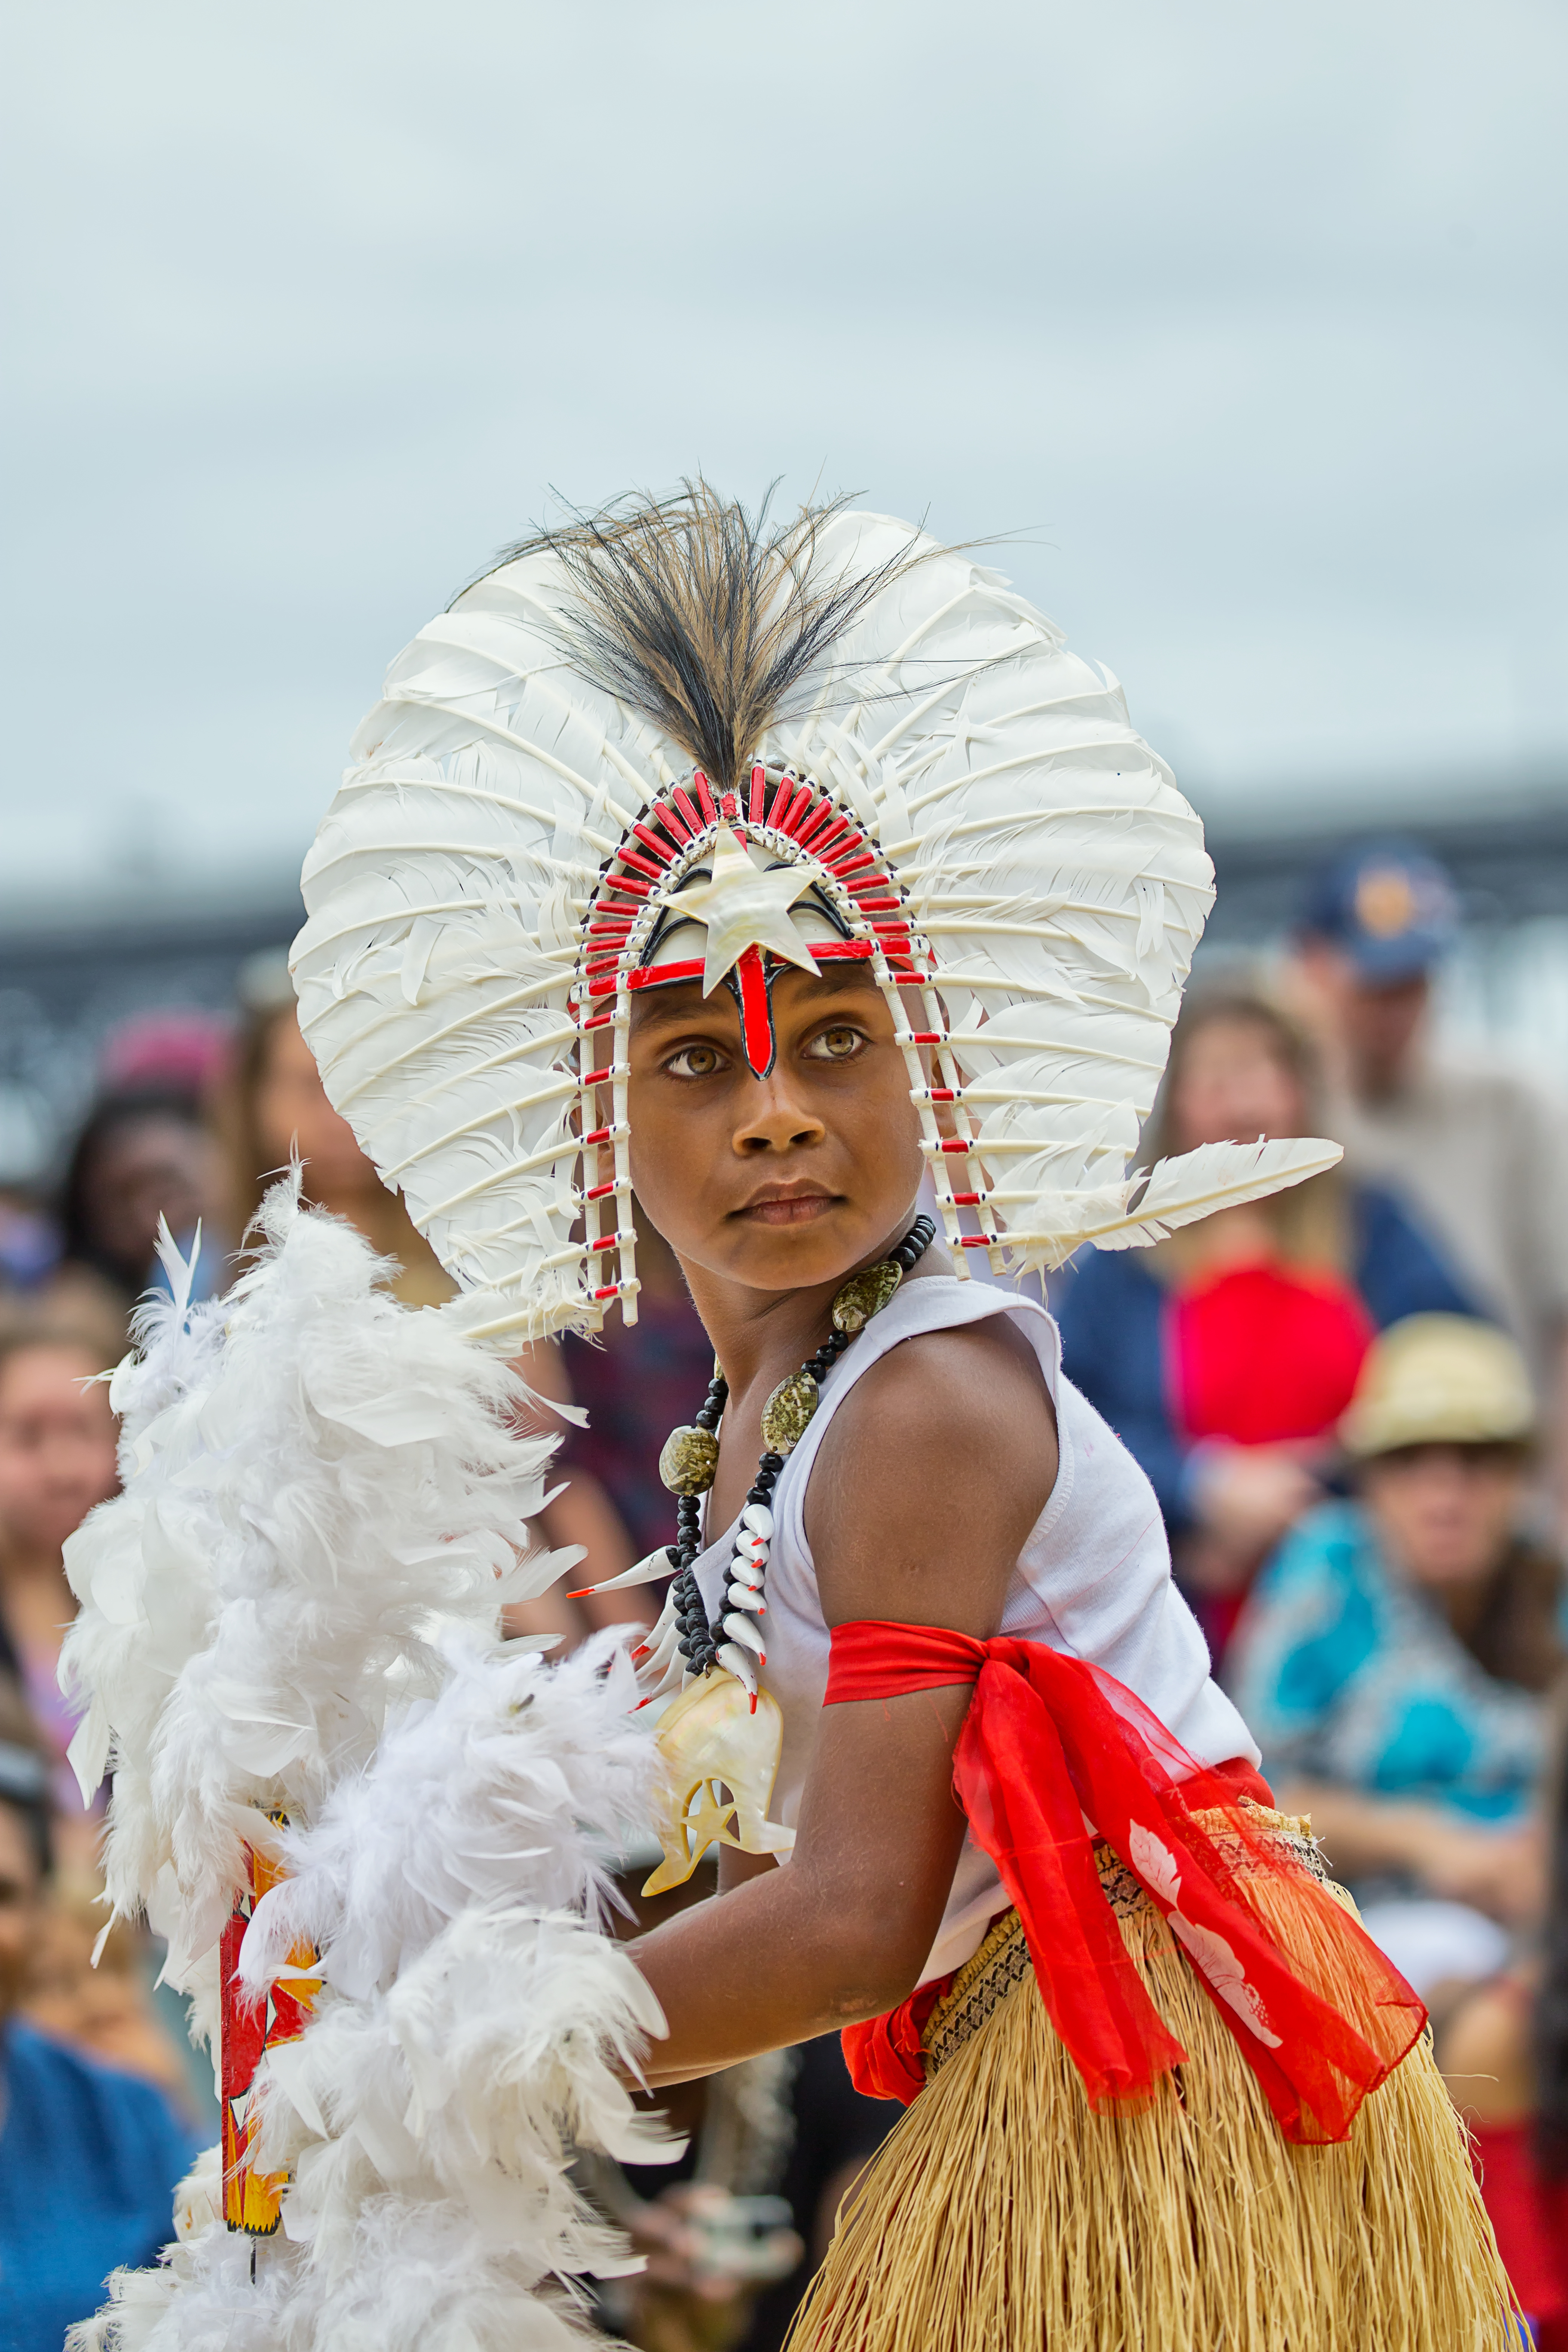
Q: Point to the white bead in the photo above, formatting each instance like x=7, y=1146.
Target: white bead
x=758, y=1518
x=747, y=1596
x=731, y=1654
x=750, y=1571
x=752, y=1546
x=741, y=1629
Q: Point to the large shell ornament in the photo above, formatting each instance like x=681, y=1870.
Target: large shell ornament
x=788, y=1412
x=865, y=1295
x=721, y=1749
x=688, y=1460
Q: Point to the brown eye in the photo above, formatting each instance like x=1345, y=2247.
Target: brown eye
x=695, y=1062
x=839, y=1045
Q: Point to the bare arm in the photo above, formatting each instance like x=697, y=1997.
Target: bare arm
x=934, y=1471
x=1497, y=1870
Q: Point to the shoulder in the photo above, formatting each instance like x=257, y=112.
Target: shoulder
x=978, y=1385
x=1464, y=1089
x=1400, y=1270
x=943, y=1453
x=1376, y=1208
x=1323, y=1554
x=1106, y=1278
x=65, y=2083
x=34, y=2057
x=1112, y=1305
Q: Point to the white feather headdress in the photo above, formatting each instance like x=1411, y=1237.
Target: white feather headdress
x=959, y=799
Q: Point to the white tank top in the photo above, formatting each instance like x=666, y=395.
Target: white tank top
x=1093, y=1582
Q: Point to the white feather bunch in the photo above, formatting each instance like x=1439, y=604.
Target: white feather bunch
x=1057, y=874
x=511, y=1785
x=468, y=2083
x=295, y=1603
x=421, y=2279
x=316, y=1480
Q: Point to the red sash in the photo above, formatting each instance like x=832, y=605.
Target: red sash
x=1050, y=1741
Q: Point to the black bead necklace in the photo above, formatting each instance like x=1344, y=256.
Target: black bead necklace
x=784, y=1419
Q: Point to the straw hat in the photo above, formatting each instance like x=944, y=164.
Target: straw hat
x=1439, y=1379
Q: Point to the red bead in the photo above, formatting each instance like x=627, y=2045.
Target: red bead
x=797, y=809
x=654, y=976
x=629, y=857
x=811, y=834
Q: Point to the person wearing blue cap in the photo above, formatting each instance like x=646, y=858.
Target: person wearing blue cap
x=1478, y=1153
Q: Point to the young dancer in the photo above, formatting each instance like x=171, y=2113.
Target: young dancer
x=781, y=875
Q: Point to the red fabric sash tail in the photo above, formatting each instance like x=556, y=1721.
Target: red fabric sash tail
x=1050, y=1741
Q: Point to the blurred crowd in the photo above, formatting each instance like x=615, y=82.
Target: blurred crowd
x=1352, y=1402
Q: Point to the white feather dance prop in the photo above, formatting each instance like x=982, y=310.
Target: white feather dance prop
x=1043, y=886
x=288, y=1640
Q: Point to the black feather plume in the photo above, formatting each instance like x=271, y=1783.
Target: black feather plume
x=702, y=615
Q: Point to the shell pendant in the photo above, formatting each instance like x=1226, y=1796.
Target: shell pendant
x=719, y=1748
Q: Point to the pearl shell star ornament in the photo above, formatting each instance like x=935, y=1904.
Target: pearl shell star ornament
x=745, y=907
x=938, y=783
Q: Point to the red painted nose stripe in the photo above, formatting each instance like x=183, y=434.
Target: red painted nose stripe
x=756, y=1013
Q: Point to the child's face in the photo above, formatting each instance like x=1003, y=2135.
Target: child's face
x=56, y=1446
x=783, y=1182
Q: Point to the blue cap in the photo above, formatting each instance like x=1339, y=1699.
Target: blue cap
x=1391, y=908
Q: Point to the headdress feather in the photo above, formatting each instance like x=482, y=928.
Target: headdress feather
x=524, y=804
x=702, y=615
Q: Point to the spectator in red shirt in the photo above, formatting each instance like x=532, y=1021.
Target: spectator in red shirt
x=1225, y=1356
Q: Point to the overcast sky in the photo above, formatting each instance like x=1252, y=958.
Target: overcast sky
x=1250, y=320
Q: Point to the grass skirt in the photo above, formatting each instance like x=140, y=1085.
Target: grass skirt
x=1003, y=2216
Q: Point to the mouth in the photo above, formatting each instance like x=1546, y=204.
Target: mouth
x=788, y=1204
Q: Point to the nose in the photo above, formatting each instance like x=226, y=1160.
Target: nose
x=774, y=1118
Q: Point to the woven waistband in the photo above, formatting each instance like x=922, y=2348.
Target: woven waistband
x=1002, y=1962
